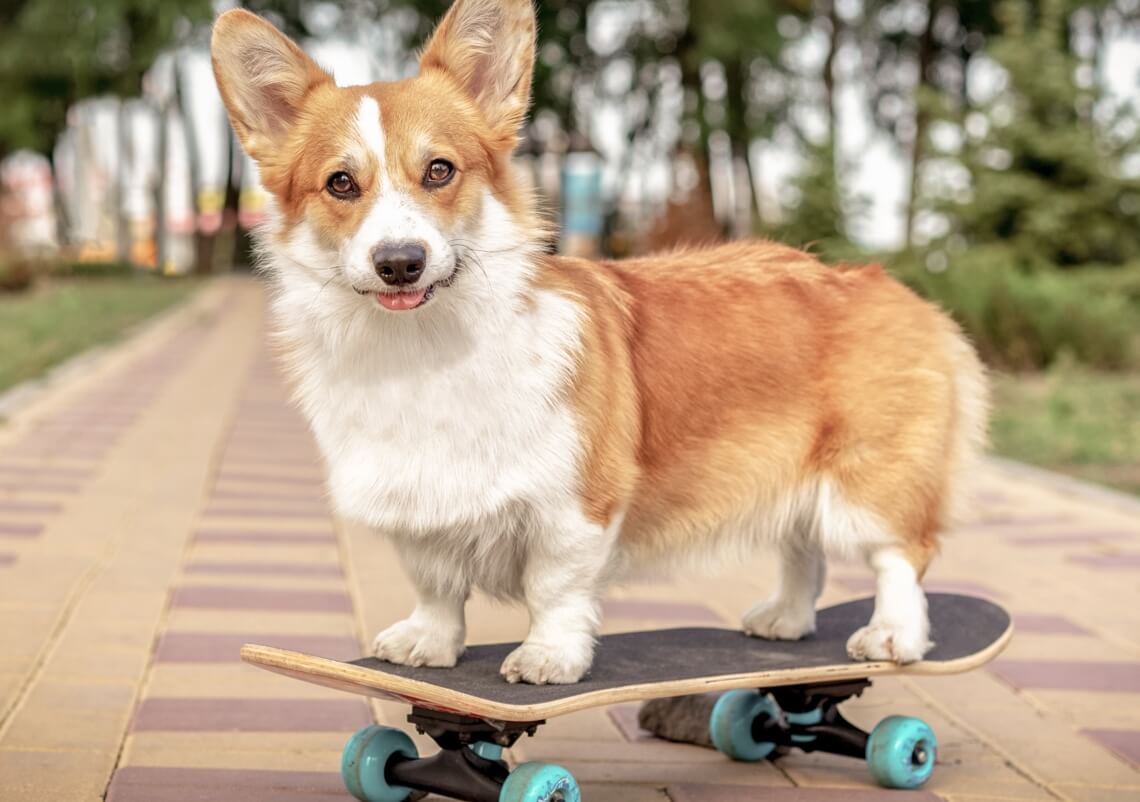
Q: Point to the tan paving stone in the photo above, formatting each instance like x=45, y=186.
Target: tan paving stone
x=1091, y=710
x=25, y=631
x=317, y=751
x=613, y=792
x=229, y=680
x=1042, y=744
x=1092, y=793
x=238, y=580
x=73, y=715
x=270, y=621
x=47, y=776
x=724, y=772
x=278, y=553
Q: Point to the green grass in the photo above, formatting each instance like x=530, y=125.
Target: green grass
x=60, y=318
x=1072, y=420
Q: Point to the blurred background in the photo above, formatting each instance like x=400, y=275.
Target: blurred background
x=987, y=153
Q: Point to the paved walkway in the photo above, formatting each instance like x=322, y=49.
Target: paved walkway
x=166, y=506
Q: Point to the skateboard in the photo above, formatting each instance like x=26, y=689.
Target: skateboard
x=752, y=699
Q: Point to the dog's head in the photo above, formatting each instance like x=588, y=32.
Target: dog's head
x=389, y=190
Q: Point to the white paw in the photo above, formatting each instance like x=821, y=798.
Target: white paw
x=542, y=664
x=780, y=620
x=412, y=643
x=882, y=641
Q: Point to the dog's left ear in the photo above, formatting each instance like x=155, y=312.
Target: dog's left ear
x=487, y=46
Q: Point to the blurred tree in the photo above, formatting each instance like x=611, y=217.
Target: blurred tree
x=1047, y=175
x=55, y=52
x=918, y=56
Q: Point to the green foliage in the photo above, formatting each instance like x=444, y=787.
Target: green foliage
x=92, y=269
x=54, y=52
x=1047, y=178
x=1071, y=419
x=61, y=318
x=1022, y=320
x=825, y=209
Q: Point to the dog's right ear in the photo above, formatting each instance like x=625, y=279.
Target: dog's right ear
x=263, y=77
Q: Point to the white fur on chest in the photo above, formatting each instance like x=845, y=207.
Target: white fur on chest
x=437, y=423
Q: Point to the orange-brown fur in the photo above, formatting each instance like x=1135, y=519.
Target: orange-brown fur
x=839, y=372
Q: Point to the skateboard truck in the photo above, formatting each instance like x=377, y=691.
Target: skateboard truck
x=380, y=764
x=764, y=724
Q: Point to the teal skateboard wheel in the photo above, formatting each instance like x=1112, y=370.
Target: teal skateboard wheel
x=365, y=758
x=901, y=752
x=540, y=782
x=730, y=725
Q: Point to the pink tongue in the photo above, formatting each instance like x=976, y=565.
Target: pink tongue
x=401, y=300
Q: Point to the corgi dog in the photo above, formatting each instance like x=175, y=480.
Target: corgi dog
x=540, y=427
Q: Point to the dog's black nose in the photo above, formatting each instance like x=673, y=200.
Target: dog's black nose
x=399, y=264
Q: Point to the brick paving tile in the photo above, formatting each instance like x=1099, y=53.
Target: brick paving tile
x=1046, y=624
x=1074, y=538
x=251, y=567
x=742, y=793
x=1069, y=675
x=209, y=647
x=161, y=784
x=20, y=530
x=660, y=611
x=1122, y=562
x=251, y=715
x=1125, y=743
x=227, y=598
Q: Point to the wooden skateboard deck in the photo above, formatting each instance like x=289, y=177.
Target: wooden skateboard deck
x=635, y=666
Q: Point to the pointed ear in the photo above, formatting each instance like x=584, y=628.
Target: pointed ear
x=263, y=77
x=487, y=46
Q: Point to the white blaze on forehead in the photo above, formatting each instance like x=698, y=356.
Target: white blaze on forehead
x=372, y=133
x=394, y=216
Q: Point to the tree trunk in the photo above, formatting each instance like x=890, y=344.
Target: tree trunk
x=921, y=119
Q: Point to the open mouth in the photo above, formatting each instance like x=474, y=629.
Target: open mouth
x=404, y=300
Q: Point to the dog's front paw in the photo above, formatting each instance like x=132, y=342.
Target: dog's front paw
x=412, y=643
x=882, y=641
x=780, y=620
x=543, y=664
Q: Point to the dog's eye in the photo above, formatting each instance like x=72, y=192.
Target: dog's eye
x=341, y=185
x=439, y=172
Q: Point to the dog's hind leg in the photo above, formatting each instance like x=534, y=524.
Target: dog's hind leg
x=790, y=613
x=899, y=629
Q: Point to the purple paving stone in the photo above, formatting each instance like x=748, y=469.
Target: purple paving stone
x=1002, y=520
x=312, y=569
x=275, y=538
x=694, y=792
x=1125, y=743
x=1073, y=538
x=38, y=487
x=255, y=495
x=272, y=512
x=1069, y=675
x=1112, y=562
x=656, y=610
x=29, y=507
x=1046, y=624
x=270, y=478
x=20, y=530
x=202, y=647
x=624, y=718
x=25, y=471
x=251, y=715
x=230, y=598
x=160, y=784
